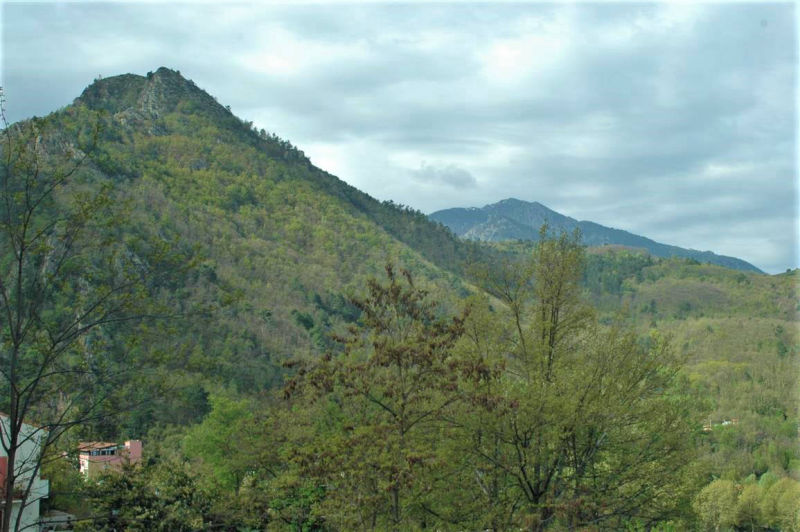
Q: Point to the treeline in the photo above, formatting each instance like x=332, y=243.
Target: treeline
x=766, y=503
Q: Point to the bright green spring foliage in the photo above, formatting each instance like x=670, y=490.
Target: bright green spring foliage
x=582, y=426
x=769, y=504
x=222, y=441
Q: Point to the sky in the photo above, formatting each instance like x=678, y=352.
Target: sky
x=675, y=121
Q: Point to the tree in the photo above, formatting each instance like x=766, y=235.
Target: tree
x=67, y=276
x=225, y=443
x=584, y=425
x=780, y=504
x=748, y=512
x=388, y=390
x=715, y=505
x=162, y=497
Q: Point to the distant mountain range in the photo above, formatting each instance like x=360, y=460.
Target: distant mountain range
x=513, y=219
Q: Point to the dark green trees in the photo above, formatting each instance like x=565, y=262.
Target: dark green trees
x=163, y=497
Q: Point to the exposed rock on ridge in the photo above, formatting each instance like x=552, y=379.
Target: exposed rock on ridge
x=130, y=97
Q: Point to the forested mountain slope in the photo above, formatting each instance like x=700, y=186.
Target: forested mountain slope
x=278, y=242
x=737, y=332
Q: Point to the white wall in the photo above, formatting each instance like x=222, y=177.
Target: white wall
x=27, y=455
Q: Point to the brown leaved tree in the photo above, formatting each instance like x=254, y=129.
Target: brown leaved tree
x=393, y=381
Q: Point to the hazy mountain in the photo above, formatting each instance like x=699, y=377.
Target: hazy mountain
x=513, y=219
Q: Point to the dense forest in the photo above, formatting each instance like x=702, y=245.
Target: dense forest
x=296, y=355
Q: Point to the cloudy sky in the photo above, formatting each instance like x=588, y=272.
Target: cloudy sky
x=673, y=121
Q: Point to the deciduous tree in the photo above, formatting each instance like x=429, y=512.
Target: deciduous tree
x=584, y=425
x=390, y=386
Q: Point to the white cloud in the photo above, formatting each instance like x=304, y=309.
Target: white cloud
x=538, y=46
x=280, y=53
x=447, y=174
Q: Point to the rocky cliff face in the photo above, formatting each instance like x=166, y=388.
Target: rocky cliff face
x=132, y=97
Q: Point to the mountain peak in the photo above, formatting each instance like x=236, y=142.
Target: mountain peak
x=149, y=96
x=167, y=73
x=514, y=203
x=112, y=94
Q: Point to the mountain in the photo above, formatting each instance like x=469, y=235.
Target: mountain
x=513, y=219
x=278, y=243
x=164, y=104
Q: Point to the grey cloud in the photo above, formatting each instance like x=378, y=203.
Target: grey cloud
x=450, y=175
x=621, y=130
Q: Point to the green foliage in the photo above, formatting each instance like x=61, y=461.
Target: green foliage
x=581, y=425
x=163, y=497
x=71, y=288
x=67, y=486
x=607, y=269
x=748, y=512
x=716, y=505
x=222, y=441
x=772, y=503
x=738, y=332
x=780, y=505
x=389, y=387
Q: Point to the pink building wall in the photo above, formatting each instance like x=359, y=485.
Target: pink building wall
x=91, y=465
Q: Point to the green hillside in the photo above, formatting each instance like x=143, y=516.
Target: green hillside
x=276, y=243
x=737, y=333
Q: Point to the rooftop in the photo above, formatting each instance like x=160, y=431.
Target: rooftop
x=86, y=446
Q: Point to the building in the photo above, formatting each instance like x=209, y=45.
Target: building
x=27, y=472
x=98, y=456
